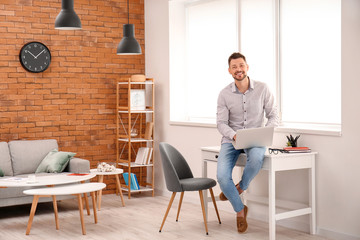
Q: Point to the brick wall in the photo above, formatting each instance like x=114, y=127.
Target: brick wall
x=73, y=101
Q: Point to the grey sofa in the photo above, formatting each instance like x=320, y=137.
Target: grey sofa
x=21, y=158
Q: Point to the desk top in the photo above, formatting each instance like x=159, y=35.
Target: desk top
x=216, y=149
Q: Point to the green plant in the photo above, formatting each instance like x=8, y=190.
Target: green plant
x=292, y=141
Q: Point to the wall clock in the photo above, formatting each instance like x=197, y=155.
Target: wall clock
x=35, y=57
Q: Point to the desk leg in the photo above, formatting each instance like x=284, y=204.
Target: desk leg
x=32, y=213
x=56, y=212
x=272, y=221
x=312, y=197
x=81, y=214
x=205, y=193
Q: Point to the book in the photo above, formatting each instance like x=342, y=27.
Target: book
x=297, y=149
x=149, y=130
x=141, y=155
x=135, y=182
x=134, y=185
x=149, y=156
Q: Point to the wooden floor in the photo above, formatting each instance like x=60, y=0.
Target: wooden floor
x=139, y=219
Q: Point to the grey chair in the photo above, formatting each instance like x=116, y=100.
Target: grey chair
x=179, y=178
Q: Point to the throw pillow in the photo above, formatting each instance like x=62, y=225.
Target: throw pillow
x=1, y=173
x=55, y=162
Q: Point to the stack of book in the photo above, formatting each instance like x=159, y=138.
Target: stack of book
x=297, y=149
x=143, y=156
x=134, y=184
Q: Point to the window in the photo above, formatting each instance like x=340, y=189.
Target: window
x=292, y=45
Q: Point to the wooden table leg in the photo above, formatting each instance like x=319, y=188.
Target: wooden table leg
x=118, y=186
x=81, y=214
x=94, y=206
x=32, y=213
x=55, y=212
x=101, y=180
x=86, y=201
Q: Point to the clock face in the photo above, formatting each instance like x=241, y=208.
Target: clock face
x=35, y=57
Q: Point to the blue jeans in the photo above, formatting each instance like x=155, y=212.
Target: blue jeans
x=226, y=162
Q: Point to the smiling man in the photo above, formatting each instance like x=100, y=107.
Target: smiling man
x=242, y=104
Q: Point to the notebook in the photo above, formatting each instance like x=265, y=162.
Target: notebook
x=254, y=137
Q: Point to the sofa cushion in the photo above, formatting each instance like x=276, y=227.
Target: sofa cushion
x=26, y=155
x=5, y=159
x=55, y=162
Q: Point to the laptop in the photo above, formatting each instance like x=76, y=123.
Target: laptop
x=254, y=137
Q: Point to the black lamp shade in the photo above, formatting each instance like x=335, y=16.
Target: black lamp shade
x=128, y=44
x=67, y=18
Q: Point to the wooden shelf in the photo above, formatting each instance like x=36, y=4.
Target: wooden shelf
x=135, y=140
x=142, y=189
x=141, y=120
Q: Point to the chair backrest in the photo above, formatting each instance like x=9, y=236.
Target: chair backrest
x=175, y=167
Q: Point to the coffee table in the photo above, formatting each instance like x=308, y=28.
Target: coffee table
x=46, y=180
x=74, y=189
x=49, y=180
x=101, y=180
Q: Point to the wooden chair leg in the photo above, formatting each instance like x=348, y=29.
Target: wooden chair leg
x=203, y=210
x=168, y=209
x=216, y=209
x=180, y=202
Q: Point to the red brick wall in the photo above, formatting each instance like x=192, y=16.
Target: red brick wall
x=73, y=101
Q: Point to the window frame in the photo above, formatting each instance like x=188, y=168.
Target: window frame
x=284, y=127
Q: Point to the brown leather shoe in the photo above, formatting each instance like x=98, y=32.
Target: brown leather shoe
x=241, y=222
x=222, y=196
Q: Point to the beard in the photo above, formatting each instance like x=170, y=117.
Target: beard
x=239, y=77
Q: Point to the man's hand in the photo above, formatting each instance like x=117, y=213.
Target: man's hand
x=234, y=137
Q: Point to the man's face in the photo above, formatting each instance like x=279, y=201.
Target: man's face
x=238, y=69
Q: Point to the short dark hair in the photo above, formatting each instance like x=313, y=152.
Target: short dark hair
x=236, y=55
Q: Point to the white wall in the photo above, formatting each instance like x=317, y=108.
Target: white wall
x=338, y=162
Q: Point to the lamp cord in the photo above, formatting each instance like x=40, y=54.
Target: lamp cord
x=128, y=11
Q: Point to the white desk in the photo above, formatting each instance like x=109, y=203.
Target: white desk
x=274, y=163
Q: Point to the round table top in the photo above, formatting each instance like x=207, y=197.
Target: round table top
x=44, y=180
x=117, y=171
x=67, y=189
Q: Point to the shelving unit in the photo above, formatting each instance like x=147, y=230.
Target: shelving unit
x=130, y=116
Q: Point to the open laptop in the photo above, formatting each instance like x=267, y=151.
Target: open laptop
x=254, y=137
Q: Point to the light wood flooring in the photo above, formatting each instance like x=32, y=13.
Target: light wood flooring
x=139, y=219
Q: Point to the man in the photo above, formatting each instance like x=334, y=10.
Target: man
x=242, y=104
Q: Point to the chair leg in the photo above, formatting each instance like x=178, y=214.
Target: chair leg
x=203, y=210
x=180, y=202
x=213, y=199
x=168, y=209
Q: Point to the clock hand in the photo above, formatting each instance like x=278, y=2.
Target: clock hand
x=40, y=53
x=27, y=51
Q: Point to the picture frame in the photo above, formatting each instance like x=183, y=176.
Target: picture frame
x=137, y=99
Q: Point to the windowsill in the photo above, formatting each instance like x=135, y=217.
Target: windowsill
x=312, y=129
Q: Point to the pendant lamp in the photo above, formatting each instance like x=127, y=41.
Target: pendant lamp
x=67, y=18
x=128, y=44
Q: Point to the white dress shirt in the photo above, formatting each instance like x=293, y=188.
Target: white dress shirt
x=236, y=110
